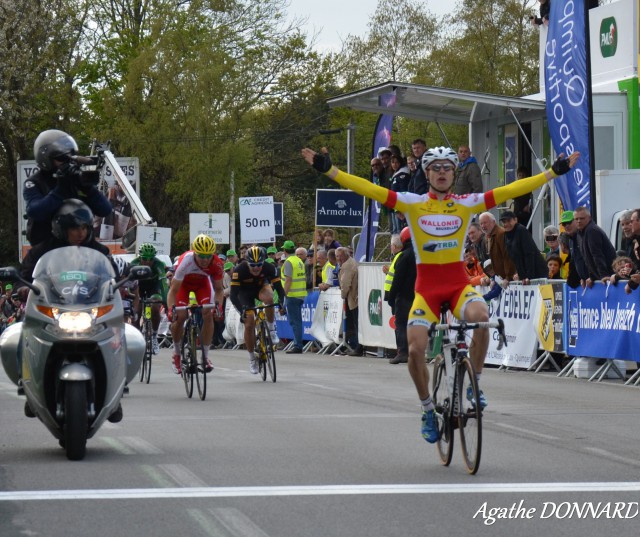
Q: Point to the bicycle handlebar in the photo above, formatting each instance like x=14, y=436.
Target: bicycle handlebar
x=259, y=308
x=195, y=306
x=463, y=326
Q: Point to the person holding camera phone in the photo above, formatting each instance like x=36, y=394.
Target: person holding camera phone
x=59, y=177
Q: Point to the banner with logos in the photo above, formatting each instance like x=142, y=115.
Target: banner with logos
x=516, y=307
x=374, y=314
x=283, y=328
x=548, y=316
x=327, y=318
x=602, y=322
x=567, y=89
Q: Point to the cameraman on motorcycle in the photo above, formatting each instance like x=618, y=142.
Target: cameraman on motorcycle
x=57, y=179
x=72, y=225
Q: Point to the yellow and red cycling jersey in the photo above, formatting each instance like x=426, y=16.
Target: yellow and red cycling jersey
x=438, y=229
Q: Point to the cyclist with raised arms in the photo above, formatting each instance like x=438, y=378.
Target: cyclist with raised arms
x=153, y=288
x=439, y=221
x=198, y=270
x=252, y=280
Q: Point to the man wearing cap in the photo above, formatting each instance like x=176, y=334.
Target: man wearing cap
x=232, y=257
x=6, y=305
x=295, y=289
x=577, y=268
x=271, y=254
x=522, y=249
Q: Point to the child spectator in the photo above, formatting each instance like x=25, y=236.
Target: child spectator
x=554, y=262
x=495, y=289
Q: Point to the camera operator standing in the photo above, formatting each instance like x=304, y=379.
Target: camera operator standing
x=59, y=177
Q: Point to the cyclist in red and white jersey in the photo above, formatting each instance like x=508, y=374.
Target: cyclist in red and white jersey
x=200, y=271
x=439, y=221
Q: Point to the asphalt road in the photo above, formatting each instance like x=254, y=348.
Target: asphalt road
x=331, y=449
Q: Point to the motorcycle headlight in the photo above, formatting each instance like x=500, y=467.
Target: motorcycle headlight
x=74, y=321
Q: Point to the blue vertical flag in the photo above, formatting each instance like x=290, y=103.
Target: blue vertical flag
x=568, y=96
x=381, y=138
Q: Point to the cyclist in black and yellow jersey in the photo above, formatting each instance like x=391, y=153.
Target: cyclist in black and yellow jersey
x=252, y=280
x=439, y=221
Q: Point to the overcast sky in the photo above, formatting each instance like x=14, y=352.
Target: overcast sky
x=335, y=19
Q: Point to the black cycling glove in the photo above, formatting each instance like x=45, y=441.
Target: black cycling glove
x=322, y=162
x=561, y=166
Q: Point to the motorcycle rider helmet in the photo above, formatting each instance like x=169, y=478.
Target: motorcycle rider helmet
x=439, y=153
x=147, y=251
x=123, y=267
x=255, y=255
x=53, y=144
x=405, y=235
x=203, y=245
x=71, y=214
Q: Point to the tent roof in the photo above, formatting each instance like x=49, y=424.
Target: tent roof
x=429, y=103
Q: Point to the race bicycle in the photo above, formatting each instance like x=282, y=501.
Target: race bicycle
x=265, y=349
x=193, y=363
x=455, y=390
x=147, y=331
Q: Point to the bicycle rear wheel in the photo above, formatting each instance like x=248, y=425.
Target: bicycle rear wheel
x=442, y=401
x=187, y=361
x=200, y=369
x=470, y=416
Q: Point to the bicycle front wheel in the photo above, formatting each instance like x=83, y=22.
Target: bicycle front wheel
x=442, y=400
x=271, y=356
x=200, y=369
x=148, y=352
x=470, y=416
x=262, y=351
x=187, y=362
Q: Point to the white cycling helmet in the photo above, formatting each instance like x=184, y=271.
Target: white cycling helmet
x=438, y=153
x=123, y=266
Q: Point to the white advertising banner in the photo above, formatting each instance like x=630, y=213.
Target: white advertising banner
x=257, y=220
x=327, y=319
x=374, y=314
x=160, y=237
x=516, y=306
x=233, y=328
x=216, y=225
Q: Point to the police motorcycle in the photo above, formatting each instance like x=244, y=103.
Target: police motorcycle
x=73, y=353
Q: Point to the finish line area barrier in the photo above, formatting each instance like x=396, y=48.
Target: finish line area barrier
x=587, y=325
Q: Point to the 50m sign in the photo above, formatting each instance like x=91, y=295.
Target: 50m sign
x=257, y=220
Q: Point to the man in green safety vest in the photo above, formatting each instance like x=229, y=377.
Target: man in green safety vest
x=295, y=288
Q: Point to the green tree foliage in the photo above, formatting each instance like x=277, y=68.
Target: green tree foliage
x=489, y=47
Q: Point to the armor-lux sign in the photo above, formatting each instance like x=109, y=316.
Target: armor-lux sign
x=339, y=208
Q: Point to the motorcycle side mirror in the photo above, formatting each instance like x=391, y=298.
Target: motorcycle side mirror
x=138, y=272
x=11, y=274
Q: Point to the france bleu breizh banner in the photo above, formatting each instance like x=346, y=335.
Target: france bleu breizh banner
x=381, y=138
x=567, y=98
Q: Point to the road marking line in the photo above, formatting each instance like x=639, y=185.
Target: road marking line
x=612, y=456
x=140, y=445
x=526, y=431
x=320, y=490
x=182, y=475
x=237, y=523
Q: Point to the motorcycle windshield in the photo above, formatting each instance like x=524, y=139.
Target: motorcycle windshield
x=73, y=274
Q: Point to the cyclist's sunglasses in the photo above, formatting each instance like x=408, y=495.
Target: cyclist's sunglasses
x=205, y=256
x=438, y=167
x=255, y=265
